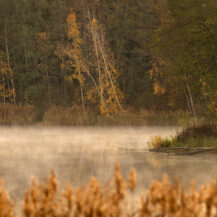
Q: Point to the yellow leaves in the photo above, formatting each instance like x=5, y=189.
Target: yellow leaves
x=95, y=23
x=151, y=73
x=92, y=95
x=43, y=35
x=6, y=90
x=79, y=77
x=74, y=50
x=156, y=75
x=105, y=91
x=43, y=42
x=158, y=89
x=73, y=30
x=156, y=141
x=4, y=67
x=203, y=82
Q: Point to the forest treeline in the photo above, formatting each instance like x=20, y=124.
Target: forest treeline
x=109, y=55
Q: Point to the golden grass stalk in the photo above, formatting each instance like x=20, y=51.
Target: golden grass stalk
x=162, y=199
x=6, y=205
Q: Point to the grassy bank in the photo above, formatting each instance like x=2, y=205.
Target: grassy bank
x=77, y=116
x=163, y=198
x=204, y=135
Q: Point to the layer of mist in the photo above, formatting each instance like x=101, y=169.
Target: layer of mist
x=76, y=154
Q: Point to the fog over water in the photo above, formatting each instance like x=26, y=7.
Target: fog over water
x=78, y=153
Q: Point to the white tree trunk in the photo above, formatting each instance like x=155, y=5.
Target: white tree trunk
x=190, y=98
x=8, y=62
x=97, y=58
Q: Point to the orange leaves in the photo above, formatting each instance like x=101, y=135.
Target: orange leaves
x=43, y=35
x=93, y=20
x=4, y=67
x=6, y=90
x=43, y=43
x=158, y=89
x=74, y=50
x=73, y=30
x=94, y=64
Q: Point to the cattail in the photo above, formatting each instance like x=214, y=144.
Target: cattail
x=94, y=200
x=6, y=205
x=132, y=180
x=144, y=210
x=68, y=195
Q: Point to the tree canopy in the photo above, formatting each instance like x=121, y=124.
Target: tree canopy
x=110, y=55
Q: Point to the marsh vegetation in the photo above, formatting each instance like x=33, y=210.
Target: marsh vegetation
x=193, y=136
x=77, y=153
x=162, y=198
x=86, y=83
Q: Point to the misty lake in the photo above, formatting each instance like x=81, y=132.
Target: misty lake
x=77, y=153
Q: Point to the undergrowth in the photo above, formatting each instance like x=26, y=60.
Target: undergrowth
x=76, y=115
x=163, y=198
x=204, y=135
x=17, y=114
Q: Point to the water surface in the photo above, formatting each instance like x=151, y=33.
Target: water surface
x=78, y=153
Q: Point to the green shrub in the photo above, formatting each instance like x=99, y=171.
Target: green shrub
x=197, y=131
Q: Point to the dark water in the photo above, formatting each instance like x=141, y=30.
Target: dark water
x=76, y=154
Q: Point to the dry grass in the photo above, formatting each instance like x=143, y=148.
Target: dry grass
x=204, y=135
x=6, y=205
x=94, y=200
x=165, y=199
x=206, y=130
x=90, y=200
x=75, y=115
x=155, y=142
x=16, y=114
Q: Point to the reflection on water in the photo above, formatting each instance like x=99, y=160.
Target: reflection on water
x=78, y=153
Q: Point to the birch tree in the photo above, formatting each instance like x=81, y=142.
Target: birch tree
x=110, y=93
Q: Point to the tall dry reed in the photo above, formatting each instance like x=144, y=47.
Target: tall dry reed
x=6, y=205
x=74, y=115
x=16, y=114
x=163, y=199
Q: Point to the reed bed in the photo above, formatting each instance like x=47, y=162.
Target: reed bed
x=74, y=115
x=163, y=198
x=16, y=114
x=205, y=130
x=204, y=135
x=77, y=115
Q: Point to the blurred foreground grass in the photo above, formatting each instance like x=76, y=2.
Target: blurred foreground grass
x=163, y=198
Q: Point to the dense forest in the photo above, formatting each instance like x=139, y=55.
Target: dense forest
x=109, y=55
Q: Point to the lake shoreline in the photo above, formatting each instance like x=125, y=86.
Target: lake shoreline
x=185, y=150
